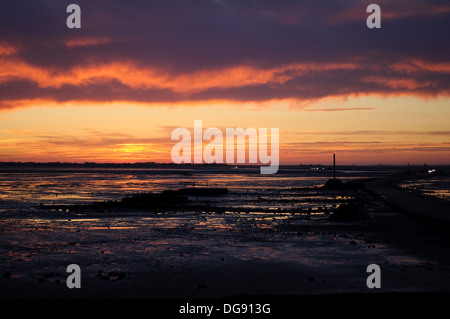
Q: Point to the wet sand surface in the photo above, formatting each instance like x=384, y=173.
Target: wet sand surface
x=413, y=203
x=211, y=255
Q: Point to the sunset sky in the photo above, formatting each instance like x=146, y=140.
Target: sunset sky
x=114, y=90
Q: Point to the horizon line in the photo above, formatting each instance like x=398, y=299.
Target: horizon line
x=205, y=164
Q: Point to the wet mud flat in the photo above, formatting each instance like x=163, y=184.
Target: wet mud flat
x=285, y=248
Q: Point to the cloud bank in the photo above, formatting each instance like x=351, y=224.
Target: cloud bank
x=221, y=50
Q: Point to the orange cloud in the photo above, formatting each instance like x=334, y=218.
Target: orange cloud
x=391, y=11
x=138, y=77
x=85, y=41
x=418, y=9
x=341, y=109
x=411, y=66
x=300, y=82
x=7, y=49
x=398, y=83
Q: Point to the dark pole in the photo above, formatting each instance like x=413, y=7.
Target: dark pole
x=334, y=166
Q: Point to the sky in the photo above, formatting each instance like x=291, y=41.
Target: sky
x=115, y=89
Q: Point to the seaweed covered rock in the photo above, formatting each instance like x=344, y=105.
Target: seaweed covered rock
x=150, y=200
x=347, y=212
x=334, y=183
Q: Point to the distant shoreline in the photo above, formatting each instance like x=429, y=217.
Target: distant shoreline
x=213, y=165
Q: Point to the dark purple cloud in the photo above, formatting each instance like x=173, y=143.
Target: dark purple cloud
x=180, y=39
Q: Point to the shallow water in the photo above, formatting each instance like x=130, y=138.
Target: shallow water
x=21, y=191
x=436, y=186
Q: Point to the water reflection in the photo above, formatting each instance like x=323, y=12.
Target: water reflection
x=438, y=186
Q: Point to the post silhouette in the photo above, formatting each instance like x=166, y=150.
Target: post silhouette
x=334, y=166
x=334, y=183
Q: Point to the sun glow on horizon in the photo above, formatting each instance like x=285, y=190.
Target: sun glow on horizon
x=363, y=130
